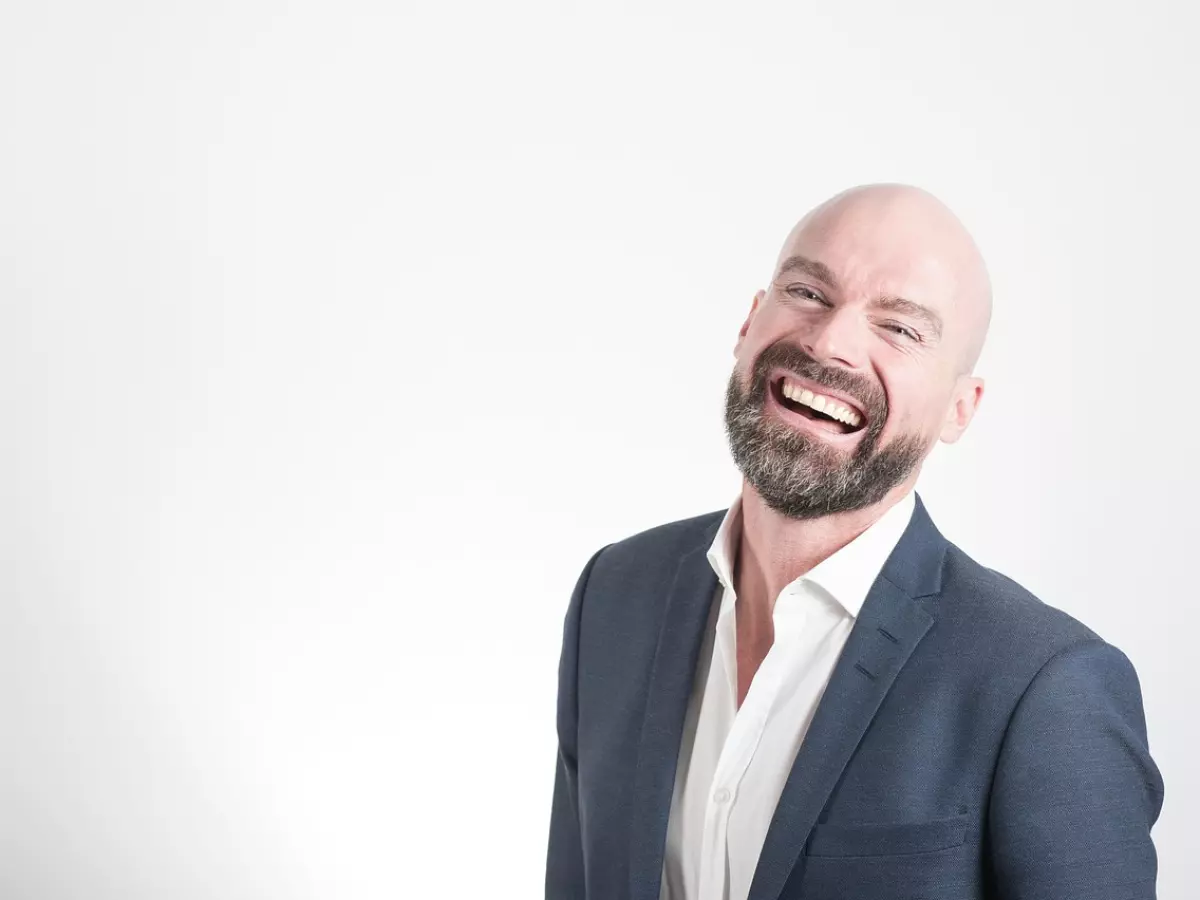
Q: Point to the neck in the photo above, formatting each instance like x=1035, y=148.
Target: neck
x=774, y=550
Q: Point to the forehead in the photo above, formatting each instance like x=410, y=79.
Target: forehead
x=868, y=258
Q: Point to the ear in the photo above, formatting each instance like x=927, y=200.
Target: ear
x=758, y=296
x=968, y=394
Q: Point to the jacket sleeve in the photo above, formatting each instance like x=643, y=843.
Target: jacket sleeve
x=1075, y=792
x=565, y=857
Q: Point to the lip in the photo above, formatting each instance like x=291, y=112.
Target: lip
x=810, y=425
x=844, y=399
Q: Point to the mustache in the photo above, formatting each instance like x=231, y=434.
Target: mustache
x=786, y=355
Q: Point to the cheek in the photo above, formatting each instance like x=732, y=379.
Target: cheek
x=912, y=409
x=767, y=328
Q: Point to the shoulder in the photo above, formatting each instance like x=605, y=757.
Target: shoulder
x=982, y=609
x=670, y=540
x=650, y=558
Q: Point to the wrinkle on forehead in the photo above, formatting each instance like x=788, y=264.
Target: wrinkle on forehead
x=893, y=230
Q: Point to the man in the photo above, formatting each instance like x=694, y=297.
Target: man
x=813, y=694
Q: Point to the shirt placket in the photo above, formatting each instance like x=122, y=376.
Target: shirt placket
x=746, y=732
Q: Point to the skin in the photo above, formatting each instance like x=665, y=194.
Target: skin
x=874, y=243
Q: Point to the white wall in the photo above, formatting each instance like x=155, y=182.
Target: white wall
x=334, y=338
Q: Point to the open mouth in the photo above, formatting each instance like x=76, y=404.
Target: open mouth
x=833, y=414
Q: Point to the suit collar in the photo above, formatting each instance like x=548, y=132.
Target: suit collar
x=893, y=622
x=915, y=566
x=680, y=637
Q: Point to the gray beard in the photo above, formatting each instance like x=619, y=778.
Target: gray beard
x=796, y=474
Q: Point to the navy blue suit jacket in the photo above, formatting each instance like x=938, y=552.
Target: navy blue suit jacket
x=972, y=742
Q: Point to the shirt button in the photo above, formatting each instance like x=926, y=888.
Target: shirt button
x=722, y=796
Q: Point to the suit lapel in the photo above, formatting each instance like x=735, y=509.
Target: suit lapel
x=671, y=680
x=889, y=627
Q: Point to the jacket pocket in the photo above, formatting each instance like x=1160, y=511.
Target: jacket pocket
x=897, y=839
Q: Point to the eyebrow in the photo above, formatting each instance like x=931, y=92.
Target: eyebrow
x=811, y=267
x=822, y=272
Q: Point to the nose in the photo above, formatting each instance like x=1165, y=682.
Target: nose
x=836, y=337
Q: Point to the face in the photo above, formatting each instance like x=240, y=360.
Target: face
x=849, y=366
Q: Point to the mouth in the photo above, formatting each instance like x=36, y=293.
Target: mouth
x=808, y=406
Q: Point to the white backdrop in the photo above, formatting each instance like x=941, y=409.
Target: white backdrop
x=335, y=337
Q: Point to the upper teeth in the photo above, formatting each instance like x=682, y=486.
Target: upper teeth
x=826, y=405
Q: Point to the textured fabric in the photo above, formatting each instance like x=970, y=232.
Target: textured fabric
x=733, y=762
x=972, y=742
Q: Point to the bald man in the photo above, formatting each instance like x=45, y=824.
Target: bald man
x=813, y=694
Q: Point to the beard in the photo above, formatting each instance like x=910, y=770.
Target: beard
x=797, y=474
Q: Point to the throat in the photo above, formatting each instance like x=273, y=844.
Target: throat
x=755, y=636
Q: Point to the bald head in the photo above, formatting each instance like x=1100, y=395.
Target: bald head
x=908, y=235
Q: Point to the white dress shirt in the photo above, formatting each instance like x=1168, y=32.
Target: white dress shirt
x=733, y=762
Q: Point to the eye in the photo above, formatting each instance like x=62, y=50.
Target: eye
x=803, y=292
x=903, y=331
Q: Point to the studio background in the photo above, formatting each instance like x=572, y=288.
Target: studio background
x=334, y=338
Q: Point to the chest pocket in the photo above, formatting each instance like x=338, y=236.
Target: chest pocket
x=902, y=861
x=902, y=838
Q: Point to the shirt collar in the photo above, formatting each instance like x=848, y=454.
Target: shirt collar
x=724, y=545
x=847, y=575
